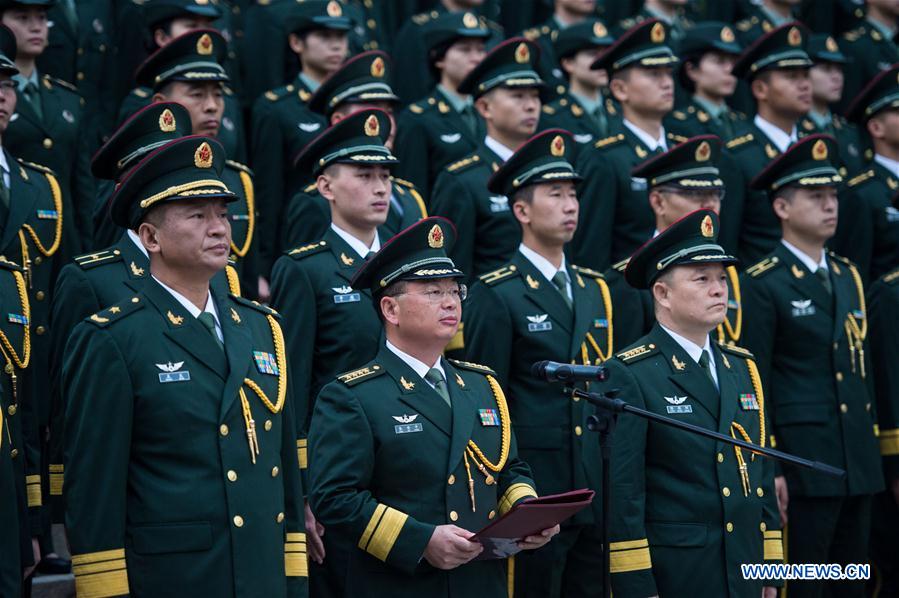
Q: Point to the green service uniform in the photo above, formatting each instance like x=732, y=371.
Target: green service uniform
x=514, y=318
x=181, y=407
x=683, y=526
x=545, y=35
x=697, y=118
x=677, y=26
x=756, y=24
x=847, y=136
x=13, y=515
x=388, y=464
x=871, y=51
x=587, y=125
x=811, y=350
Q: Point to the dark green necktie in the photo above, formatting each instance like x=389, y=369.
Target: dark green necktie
x=560, y=279
x=470, y=118
x=33, y=96
x=706, y=367
x=824, y=277
x=208, y=320
x=436, y=379
x=4, y=191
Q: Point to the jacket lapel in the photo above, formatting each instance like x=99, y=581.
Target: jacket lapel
x=238, y=349
x=687, y=374
x=136, y=264
x=463, y=415
x=727, y=382
x=416, y=393
x=542, y=292
x=25, y=111
x=804, y=282
x=584, y=311
x=22, y=199
x=51, y=107
x=844, y=292
x=348, y=261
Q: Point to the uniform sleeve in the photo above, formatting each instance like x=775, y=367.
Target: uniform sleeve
x=452, y=200
x=732, y=204
x=884, y=340
x=629, y=550
x=306, y=219
x=411, y=148
x=342, y=449
x=84, y=186
x=598, y=192
x=488, y=331
x=99, y=413
x=267, y=159
x=759, y=308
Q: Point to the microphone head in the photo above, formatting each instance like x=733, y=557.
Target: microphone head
x=538, y=369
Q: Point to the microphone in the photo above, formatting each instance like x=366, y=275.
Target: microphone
x=553, y=371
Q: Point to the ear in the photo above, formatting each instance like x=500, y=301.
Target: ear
x=149, y=237
x=656, y=202
x=781, y=208
x=323, y=184
x=875, y=127
x=158, y=97
x=161, y=38
x=482, y=105
x=390, y=308
x=296, y=44
x=618, y=87
x=661, y=293
x=521, y=210
x=759, y=89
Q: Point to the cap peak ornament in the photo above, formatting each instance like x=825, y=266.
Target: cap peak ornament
x=435, y=237
x=167, y=122
x=557, y=146
x=377, y=67
x=707, y=228
x=657, y=33
x=703, y=152
x=727, y=35
x=599, y=30
x=794, y=37
x=831, y=45
x=204, y=45
x=372, y=127
x=334, y=9
x=819, y=150
x=470, y=21
x=203, y=156
x=522, y=53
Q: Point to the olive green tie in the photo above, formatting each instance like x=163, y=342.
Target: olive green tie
x=470, y=118
x=706, y=367
x=824, y=277
x=560, y=279
x=208, y=320
x=34, y=98
x=436, y=379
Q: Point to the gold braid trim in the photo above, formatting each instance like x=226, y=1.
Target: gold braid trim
x=510, y=577
x=233, y=280
x=10, y=352
x=860, y=289
x=726, y=332
x=278, y=339
x=57, y=235
x=421, y=202
x=251, y=215
x=505, y=431
x=187, y=189
x=760, y=396
x=607, y=302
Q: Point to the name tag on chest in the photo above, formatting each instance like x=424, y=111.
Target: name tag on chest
x=675, y=409
x=166, y=377
x=348, y=298
x=540, y=326
x=407, y=428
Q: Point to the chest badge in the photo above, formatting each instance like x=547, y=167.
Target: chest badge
x=489, y=417
x=345, y=294
x=538, y=323
x=266, y=363
x=748, y=402
x=450, y=138
x=406, y=424
x=499, y=203
x=802, y=307
x=676, y=405
x=171, y=372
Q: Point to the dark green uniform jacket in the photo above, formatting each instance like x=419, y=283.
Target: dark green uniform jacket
x=516, y=317
x=12, y=514
x=488, y=232
x=846, y=134
x=157, y=454
x=818, y=400
x=388, y=464
x=692, y=120
x=883, y=304
x=567, y=113
x=869, y=53
x=683, y=516
x=615, y=217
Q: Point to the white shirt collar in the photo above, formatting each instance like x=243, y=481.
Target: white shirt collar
x=808, y=262
x=4, y=166
x=420, y=367
x=889, y=164
x=133, y=236
x=694, y=350
x=355, y=244
x=498, y=148
x=775, y=134
x=192, y=309
x=546, y=269
x=646, y=138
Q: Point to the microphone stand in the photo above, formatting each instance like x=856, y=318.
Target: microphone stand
x=604, y=420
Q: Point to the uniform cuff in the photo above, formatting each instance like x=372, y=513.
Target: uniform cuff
x=515, y=494
x=56, y=479
x=100, y=574
x=295, y=563
x=33, y=490
x=774, y=548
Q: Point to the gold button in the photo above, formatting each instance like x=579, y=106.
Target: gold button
x=40, y=330
x=576, y=399
x=491, y=514
x=835, y=346
x=720, y=457
x=454, y=516
x=102, y=47
x=135, y=300
x=8, y=368
x=280, y=517
x=578, y=431
x=762, y=526
x=275, y=471
x=725, y=491
x=223, y=430
x=451, y=480
x=760, y=492
x=48, y=143
x=11, y=410
x=38, y=261
x=839, y=376
x=730, y=526
x=844, y=407
x=232, y=475
x=39, y=295
x=80, y=76
x=867, y=406
x=14, y=453
x=268, y=425
x=80, y=51
x=238, y=521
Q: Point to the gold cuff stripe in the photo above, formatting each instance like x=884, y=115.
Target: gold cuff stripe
x=33, y=494
x=32, y=479
x=295, y=548
x=774, y=535
x=95, y=557
x=372, y=524
x=295, y=537
x=302, y=443
x=513, y=494
x=624, y=561
x=388, y=530
x=56, y=481
x=774, y=550
x=641, y=543
x=295, y=565
x=101, y=585
x=57, y=468
x=889, y=443
x=90, y=568
x=303, y=458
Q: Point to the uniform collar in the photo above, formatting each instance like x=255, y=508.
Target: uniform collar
x=822, y=121
x=714, y=110
x=190, y=307
x=454, y=100
x=541, y=263
x=21, y=81
x=889, y=164
x=136, y=240
x=498, y=148
x=646, y=138
x=887, y=32
x=355, y=244
x=772, y=16
x=775, y=134
x=808, y=262
x=691, y=348
x=591, y=107
x=311, y=85
x=418, y=366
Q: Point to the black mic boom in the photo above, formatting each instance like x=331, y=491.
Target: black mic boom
x=553, y=371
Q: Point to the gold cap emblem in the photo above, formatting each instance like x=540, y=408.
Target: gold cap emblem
x=334, y=9
x=707, y=228
x=372, y=126
x=727, y=35
x=819, y=150
x=167, y=121
x=435, y=237
x=657, y=33
x=557, y=147
x=703, y=152
x=794, y=37
x=204, y=45
x=599, y=30
x=377, y=67
x=522, y=53
x=831, y=45
x=203, y=156
x=469, y=20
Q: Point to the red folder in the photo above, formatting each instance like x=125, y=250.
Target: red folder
x=529, y=517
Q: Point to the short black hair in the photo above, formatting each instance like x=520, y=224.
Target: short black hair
x=681, y=72
x=392, y=290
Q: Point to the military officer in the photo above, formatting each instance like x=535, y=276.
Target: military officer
x=670, y=12
x=809, y=327
x=615, y=218
x=282, y=123
x=869, y=236
x=184, y=373
x=708, y=52
x=361, y=83
x=48, y=127
x=330, y=327
x=445, y=126
x=585, y=111
x=776, y=67
x=683, y=527
x=166, y=20
x=764, y=17
x=870, y=46
x=536, y=307
x=506, y=89
x=189, y=70
x=827, y=76
x=411, y=453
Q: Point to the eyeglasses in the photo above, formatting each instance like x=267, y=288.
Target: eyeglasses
x=436, y=296
x=7, y=86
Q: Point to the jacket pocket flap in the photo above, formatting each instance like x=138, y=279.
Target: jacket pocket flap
x=171, y=537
